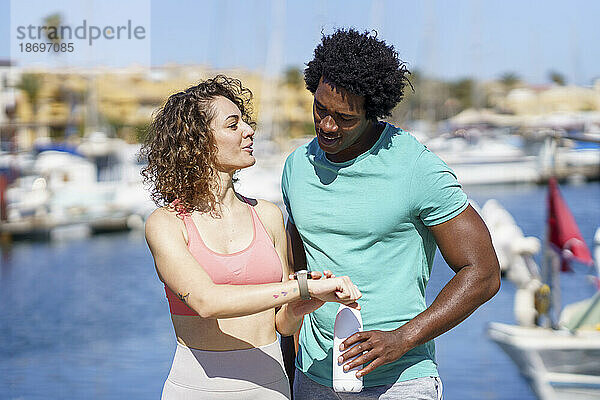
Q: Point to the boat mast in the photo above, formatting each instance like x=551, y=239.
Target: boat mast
x=550, y=262
x=551, y=265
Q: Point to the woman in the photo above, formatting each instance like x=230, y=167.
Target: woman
x=221, y=256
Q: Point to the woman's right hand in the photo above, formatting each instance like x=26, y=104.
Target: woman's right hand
x=338, y=289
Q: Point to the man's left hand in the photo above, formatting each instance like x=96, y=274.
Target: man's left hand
x=377, y=347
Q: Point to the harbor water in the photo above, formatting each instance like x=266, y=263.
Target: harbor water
x=88, y=319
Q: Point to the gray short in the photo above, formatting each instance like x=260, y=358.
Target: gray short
x=251, y=374
x=428, y=388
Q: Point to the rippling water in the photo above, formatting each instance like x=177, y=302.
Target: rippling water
x=88, y=319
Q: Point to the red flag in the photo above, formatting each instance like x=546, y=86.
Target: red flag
x=563, y=232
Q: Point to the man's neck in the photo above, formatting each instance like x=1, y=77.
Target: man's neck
x=362, y=145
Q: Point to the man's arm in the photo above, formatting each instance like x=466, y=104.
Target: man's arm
x=466, y=245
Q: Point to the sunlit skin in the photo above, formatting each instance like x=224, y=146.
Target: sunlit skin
x=233, y=137
x=477, y=280
x=342, y=129
x=343, y=133
x=233, y=317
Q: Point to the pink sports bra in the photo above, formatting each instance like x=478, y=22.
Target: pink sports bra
x=258, y=263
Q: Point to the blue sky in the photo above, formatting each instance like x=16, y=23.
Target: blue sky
x=447, y=39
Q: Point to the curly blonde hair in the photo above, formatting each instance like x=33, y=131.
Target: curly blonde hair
x=180, y=146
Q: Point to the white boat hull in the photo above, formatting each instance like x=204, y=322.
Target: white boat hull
x=558, y=364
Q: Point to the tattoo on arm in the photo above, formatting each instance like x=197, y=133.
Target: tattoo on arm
x=284, y=294
x=183, y=297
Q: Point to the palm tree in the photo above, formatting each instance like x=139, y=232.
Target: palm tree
x=557, y=78
x=53, y=21
x=293, y=77
x=509, y=80
x=463, y=90
x=31, y=85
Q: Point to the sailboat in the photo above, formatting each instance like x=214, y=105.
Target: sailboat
x=558, y=352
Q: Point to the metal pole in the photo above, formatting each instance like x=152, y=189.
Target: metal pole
x=551, y=263
x=3, y=185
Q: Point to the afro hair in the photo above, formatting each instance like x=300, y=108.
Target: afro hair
x=363, y=65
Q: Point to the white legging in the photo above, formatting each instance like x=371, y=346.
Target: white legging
x=256, y=373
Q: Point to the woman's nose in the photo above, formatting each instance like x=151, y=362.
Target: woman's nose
x=248, y=132
x=328, y=124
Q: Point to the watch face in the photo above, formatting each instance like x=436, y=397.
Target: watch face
x=304, y=273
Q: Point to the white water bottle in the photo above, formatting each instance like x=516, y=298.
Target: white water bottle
x=348, y=321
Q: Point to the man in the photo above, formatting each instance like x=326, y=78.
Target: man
x=367, y=200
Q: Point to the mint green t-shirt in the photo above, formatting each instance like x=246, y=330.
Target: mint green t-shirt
x=367, y=218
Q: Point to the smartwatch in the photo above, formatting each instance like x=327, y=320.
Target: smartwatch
x=302, y=278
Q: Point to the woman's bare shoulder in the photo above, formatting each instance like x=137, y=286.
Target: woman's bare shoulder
x=269, y=213
x=163, y=220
